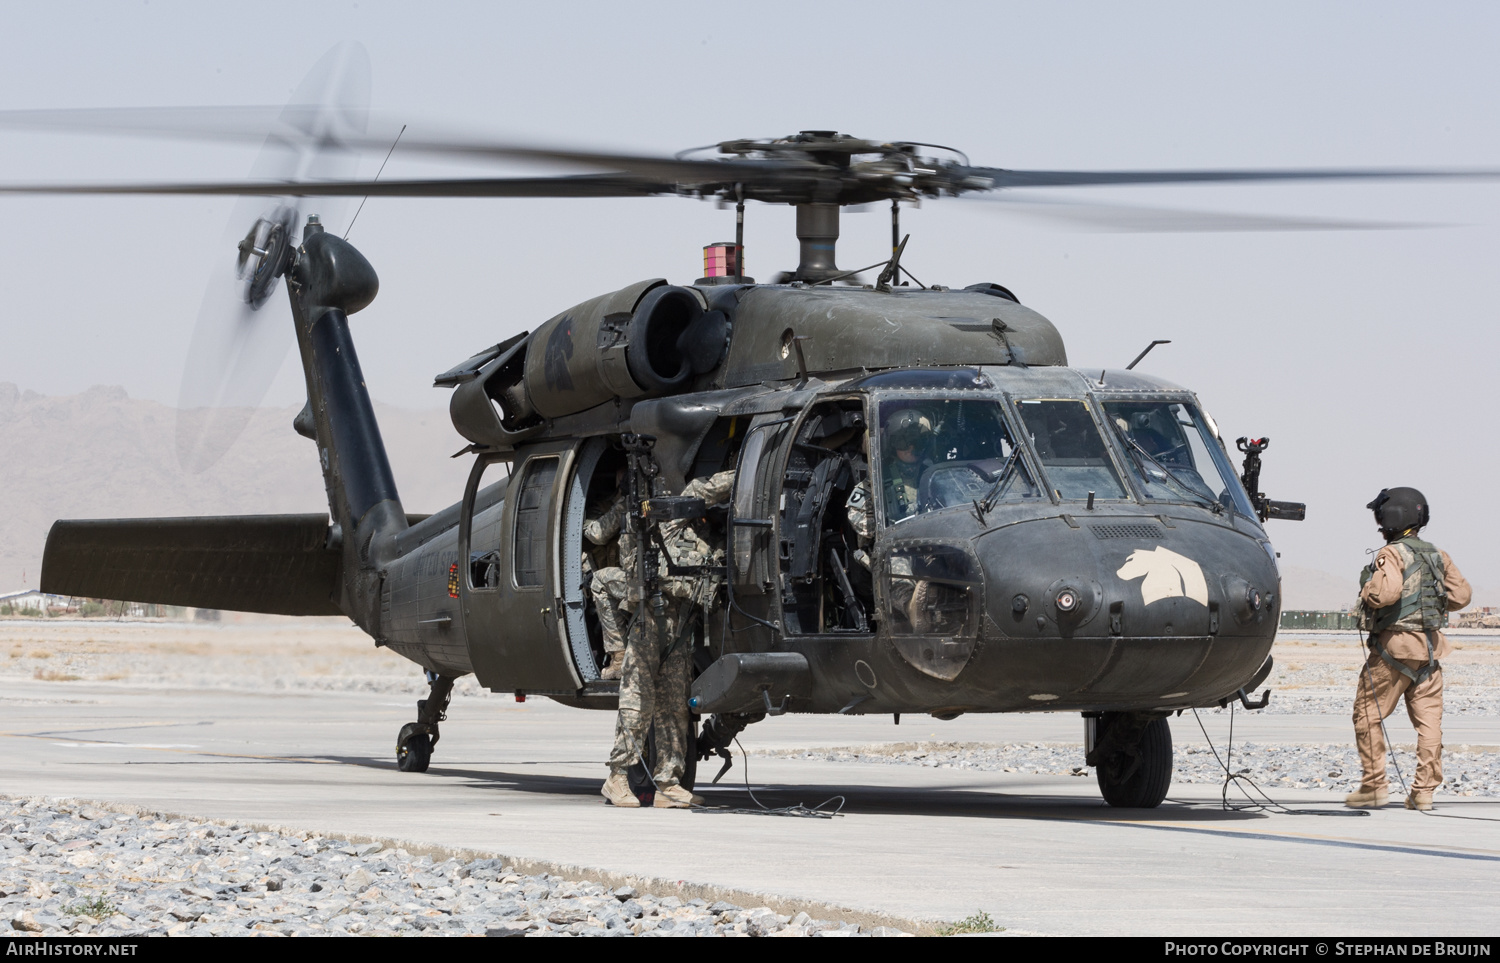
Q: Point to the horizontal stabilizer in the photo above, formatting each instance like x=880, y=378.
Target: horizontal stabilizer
x=277, y=564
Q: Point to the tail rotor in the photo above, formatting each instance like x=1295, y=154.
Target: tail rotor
x=235, y=352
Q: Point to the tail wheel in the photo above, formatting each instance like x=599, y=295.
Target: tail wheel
x=1139, y=779
x=413, y=750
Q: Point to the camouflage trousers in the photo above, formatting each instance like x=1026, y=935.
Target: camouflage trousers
x=654, y=689
x=609, y=588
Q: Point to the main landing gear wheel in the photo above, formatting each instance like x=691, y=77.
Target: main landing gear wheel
x=413, y=749
x=1134, y=760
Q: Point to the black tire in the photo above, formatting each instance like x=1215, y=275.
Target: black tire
x=1140, y=781
x=414, y=752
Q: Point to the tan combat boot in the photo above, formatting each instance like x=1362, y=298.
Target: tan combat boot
x=1367, y=799
x=617, y=790
x=675, y=797
x=1419, y=799
x=613, y=666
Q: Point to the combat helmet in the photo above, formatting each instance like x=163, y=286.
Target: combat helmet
x=1398, y=510
x=908, y=428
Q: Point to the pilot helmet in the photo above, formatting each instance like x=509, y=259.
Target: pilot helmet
x=908, y=429
x=1399, y=509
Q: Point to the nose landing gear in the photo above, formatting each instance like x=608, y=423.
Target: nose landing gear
x=1132, y=753
x=416, y=740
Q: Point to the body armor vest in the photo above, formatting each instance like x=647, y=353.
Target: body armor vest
x=1423, y=606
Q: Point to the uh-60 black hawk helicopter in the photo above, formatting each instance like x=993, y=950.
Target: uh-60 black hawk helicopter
x=1045, y=538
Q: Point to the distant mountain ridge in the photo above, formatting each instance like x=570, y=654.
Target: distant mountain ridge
x=103, y=454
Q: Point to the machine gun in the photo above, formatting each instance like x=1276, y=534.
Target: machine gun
x=1265, y=507
x=640, y=474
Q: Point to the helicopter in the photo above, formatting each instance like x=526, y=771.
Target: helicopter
x=1068, y=541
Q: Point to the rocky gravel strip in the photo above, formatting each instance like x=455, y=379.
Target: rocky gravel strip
x=80, y=870
x=1467, y=771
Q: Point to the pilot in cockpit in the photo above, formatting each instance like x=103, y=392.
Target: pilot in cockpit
x=906, y=453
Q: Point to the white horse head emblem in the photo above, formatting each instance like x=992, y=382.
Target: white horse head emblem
x=1168, y=575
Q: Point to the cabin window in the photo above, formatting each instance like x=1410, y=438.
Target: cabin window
x=1072, y=451
x=532, y=504
x=485, y=521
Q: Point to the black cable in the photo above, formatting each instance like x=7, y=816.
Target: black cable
x=1269, y=805
x=807, y=812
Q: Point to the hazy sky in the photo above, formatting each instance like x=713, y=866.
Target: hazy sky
x=1367, y=357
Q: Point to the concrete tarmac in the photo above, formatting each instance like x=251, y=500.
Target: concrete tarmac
x=1040, y=854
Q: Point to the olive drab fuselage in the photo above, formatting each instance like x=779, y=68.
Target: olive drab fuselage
x=1063, y=556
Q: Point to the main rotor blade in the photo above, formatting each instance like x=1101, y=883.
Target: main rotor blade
x=1002, y=178
x=1137, y=219
x=250, y=123
x=585, y=185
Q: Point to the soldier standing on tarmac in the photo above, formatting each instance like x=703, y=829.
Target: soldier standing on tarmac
x=658, y=661
x=1404, y=601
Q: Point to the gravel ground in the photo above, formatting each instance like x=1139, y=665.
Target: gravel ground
x=272, y=655
x=86, y=871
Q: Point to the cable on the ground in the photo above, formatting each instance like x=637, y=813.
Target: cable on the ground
x=813, y=812
x=800, y=809
x=1240, y=781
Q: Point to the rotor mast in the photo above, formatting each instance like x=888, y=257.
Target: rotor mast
x=818, y=236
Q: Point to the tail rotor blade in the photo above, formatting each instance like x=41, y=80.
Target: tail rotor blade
x=241, y=337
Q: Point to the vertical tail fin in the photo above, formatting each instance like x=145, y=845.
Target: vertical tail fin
x=328, y=281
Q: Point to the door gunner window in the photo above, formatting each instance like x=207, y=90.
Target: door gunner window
x=1070, y=446
x=943, y=453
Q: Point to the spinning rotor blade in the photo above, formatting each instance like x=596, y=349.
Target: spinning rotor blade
x=240, y=341
x=251, y=123
x=1134, y=219
x=1002, y=178
x=809, y=167
x=580, y=185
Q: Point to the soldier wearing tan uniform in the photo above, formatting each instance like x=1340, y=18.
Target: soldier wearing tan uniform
x=658, y=661
x=1404, y=601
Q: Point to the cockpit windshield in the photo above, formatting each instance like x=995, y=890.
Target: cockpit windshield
x=940, y=453
x=1073, y=453
x=1172, y=454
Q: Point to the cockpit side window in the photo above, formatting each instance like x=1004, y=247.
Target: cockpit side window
x=1072, y=451
x=943, y=453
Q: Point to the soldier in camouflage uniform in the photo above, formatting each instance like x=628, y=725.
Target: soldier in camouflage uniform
x=610, y=584
x=658, y=661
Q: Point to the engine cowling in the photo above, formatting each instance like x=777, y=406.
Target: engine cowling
x=648, y=339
